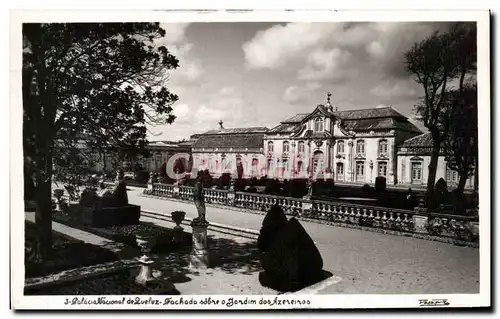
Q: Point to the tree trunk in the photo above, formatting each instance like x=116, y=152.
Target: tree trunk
x=43, y=215
x=476, y=178
x=461, y=183
x=431, y=179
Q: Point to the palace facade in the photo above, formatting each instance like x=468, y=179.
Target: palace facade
x=413, y=158
x=352, y=146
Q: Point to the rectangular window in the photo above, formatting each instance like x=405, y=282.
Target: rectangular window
x=270, y=147
x=360, y=171
x=340, y=171
x=451, y=176
x=340, y=147
x=382, y=169
x=360, y=147
x=318, y=125
x=286, y=147
x=416, y=172
x=382, y=147
x=301, y=147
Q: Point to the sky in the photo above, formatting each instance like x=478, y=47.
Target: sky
x=258, y=74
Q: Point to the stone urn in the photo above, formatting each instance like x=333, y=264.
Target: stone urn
x=58, y=193
x=145, y=243
x=178, y=216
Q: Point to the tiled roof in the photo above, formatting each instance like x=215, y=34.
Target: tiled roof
x=422, y=140
x=230, y=141
x=285, y=128
x=380, y=124
x=296, y=118
x=238, y=130
x=369, y=113
x=385, y=118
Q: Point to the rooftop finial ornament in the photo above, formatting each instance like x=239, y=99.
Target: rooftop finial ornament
x=328, y=103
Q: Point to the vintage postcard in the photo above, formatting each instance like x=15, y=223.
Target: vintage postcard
x=250, y=160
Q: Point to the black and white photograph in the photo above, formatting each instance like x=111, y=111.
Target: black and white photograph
x=285, y=160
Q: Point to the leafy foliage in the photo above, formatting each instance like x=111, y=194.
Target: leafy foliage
x=461, y=127
x=94, y=87
x=90, y=89
x=435, y=63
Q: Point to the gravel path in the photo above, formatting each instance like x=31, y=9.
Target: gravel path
x=367, y=262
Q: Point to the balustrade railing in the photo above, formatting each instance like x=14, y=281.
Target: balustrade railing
x=411, y=221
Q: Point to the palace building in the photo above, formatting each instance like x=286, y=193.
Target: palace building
x=413, y=158
x=352, y=146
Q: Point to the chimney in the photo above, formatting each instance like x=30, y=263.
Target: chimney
x=220, y=124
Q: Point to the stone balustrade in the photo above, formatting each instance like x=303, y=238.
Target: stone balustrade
x=419, y=220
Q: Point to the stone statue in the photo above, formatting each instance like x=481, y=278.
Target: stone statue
x=309, y=186
x=199, y=200
x=151, y=178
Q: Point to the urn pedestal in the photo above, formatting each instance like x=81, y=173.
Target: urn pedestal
x=58, y=193
x=200, y=254
x=145, y=275
x=178, y=217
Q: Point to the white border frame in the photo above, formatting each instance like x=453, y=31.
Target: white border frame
x=19, y=301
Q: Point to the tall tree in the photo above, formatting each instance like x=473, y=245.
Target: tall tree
x=461, y=140
x=88, y=86
x=437, y=62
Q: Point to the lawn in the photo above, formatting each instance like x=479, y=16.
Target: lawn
x=66, y=254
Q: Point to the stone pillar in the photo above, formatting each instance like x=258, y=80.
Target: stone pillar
x=309, y=160
x=403, y=170
x=328, y=168
x=292, y=161
x=420, y=219
x=200, y=254
x=350, y=170
x=150, y=182
x=307, y=206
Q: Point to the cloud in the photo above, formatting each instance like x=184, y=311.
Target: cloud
x=227, y=90
x=395, y=88
x=181, y=111
x=174, y=32
x=177, y=42
x=273, y=47
x=209, y=114
x=295, y=93
x=331, y=50
x=322, y=64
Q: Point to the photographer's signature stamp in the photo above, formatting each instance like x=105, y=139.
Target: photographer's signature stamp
x=433, y=302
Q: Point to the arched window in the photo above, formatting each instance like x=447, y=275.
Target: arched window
x=318, y=125
x=255, y=166
x=286, y=147
x=340, y=147
x=301, y=147
x=270, y=146
x=382, y=147
x=360, y=147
